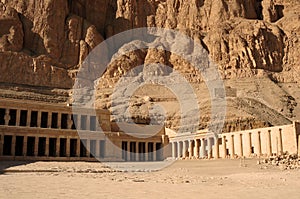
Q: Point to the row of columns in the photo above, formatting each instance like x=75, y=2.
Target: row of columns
x=231, y=145
x=147, y=153
x=197, y=148
x=69, y=121
x=67, y=147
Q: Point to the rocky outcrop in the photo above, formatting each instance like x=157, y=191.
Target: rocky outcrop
x=44, y=42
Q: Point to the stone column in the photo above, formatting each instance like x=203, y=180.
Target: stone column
x=78, y=147
x=184, y=148
x=258, y=144
x=18, y=117
x=249, y=148
x=25, y=146
x=6, y=117
x=97, y=148
x=68, y=146
x=146, y=151
x=88, y=147
x=59, y=120
x=202, y=151
x=209, y=147
x=196, y=148
x=280, y=149
x=224, y=146
x=47, y=147
x=28, y=118
x=173, y=149
x=58, y=147
x=191, y=149
x=269, y=144
x=88, y=122
x=13, y=145
x=36, y=146
x=49, y=121
x=128, y=151
x=178, y=150
x=241, y=145
x=154, y=151
x=216, y=148
x=78, y=126
x=232, y=152
x=39, y=119
x=137, y=151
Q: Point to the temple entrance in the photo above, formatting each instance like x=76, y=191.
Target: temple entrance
x=7, y=145
x=19, y=146
x=30, y=146
x=52, y=147
x=73, y=147
x=42, y=146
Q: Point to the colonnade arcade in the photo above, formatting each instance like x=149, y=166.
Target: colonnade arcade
x=46, y=131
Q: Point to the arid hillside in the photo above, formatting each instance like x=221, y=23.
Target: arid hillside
x=255, y=44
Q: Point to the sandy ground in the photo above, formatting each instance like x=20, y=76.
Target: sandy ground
x=183, y=179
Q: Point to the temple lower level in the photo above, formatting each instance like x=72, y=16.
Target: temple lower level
x=42, y=131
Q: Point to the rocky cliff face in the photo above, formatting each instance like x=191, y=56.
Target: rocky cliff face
x=44, y=42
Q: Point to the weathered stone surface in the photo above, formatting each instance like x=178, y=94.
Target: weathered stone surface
x=44, y=42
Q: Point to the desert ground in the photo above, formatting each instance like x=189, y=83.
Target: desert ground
x=182, y=179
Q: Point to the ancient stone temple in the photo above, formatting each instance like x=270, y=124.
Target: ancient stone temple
x=44, y=131
x=249, y=143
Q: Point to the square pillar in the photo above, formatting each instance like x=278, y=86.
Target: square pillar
x=57, y=147
x=128, y=151
x=258, y=144
x=88, y=147
x=49, y=121
x=173, y=150
x=88, y=122
x=202, y=148
x=78, y=147
x=184, y=148
x=196, y=148
x=216, y=148
x=18, y=117
x=13, y=145
x=39, y=119
x=241, y=145
x=224, y=147
x=146, y=151
x=178, y=149
x=68, y=147
x=154, y=151
x=191, y=149
x=269, y=144
x=25, y=146
x=232, y=152
x=47, y=147
x=136, y=151
x=28, y=118
x=36, y=146
x=209, y=147
x=97, y=148
x=59, y=120
x=248, y=143
x=279, y=141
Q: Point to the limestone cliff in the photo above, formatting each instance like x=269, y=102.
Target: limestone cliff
x=44, y=42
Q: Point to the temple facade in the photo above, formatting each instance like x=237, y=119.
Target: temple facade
x=249, y=143
x=44, y=131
